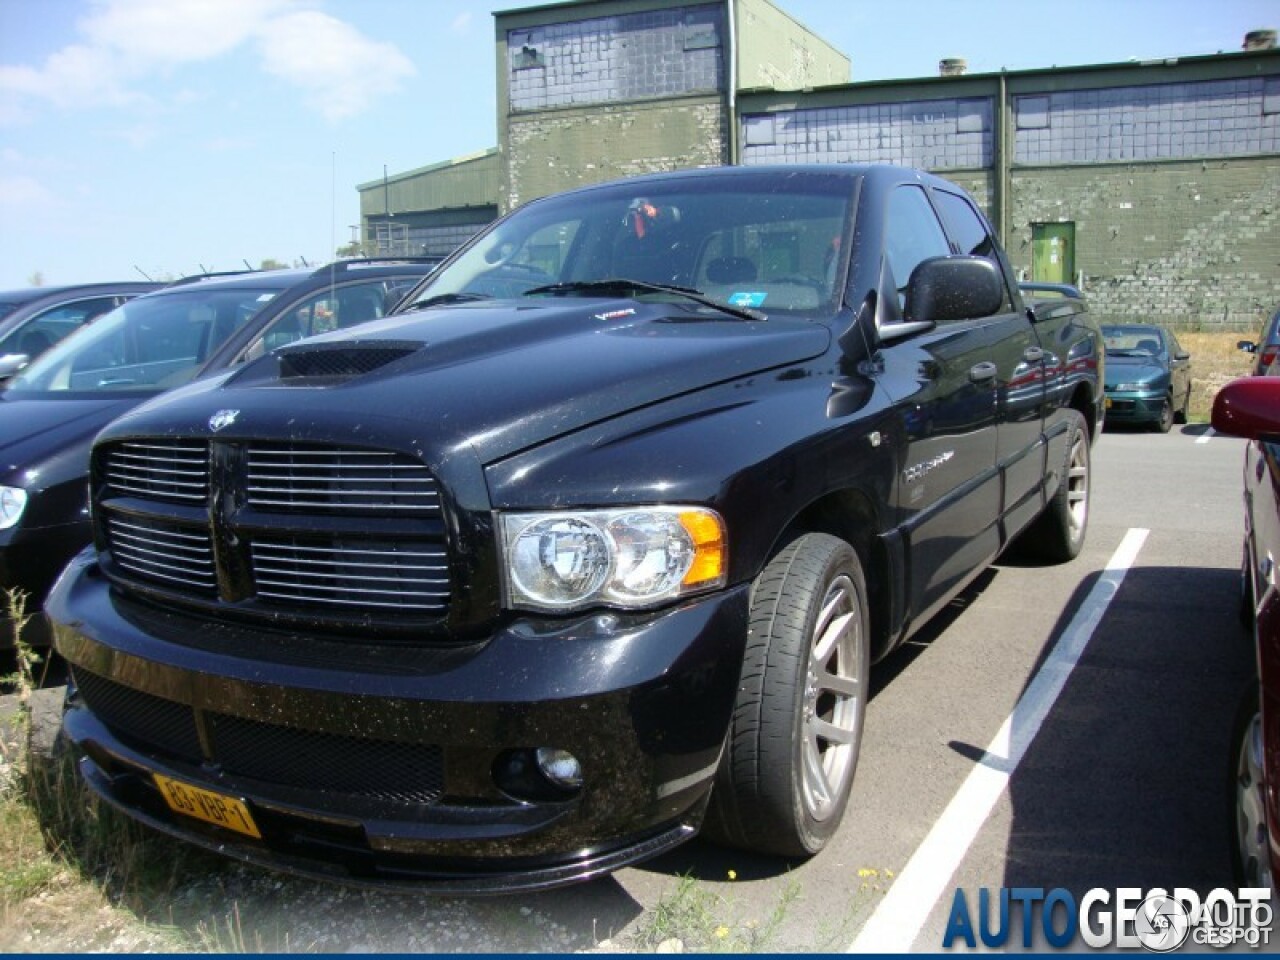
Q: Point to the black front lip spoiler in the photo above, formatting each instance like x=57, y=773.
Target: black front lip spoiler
x=384, y=871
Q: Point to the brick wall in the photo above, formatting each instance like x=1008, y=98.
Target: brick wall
x=1179, y=243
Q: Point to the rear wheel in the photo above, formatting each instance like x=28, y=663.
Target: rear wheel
x=1057, y=535
x=792, y=747
x=1251, y=852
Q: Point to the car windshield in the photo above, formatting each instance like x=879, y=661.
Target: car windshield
x=148, y=344
x=745, y=242
x=1133, y=341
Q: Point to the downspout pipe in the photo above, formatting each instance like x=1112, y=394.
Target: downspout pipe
x=732, y=98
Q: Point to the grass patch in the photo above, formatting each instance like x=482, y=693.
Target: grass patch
x=1215, y=362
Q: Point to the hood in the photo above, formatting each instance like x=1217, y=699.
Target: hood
x=490, y=378
x=1122, y=369
x=38, y=428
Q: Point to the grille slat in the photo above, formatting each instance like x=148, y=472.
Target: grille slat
x=351, y=575
x=156, y=549
x=399, y=575
x=175, y=471
x=338, y=479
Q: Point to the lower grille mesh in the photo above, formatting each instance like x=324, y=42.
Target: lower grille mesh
x=408, y=773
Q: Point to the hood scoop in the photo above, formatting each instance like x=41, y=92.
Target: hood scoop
x=340, y=361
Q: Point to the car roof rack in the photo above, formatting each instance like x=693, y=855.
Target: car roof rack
x=196, y=277
x=349, y=262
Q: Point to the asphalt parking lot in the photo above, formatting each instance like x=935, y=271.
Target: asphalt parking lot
x=1115, y=774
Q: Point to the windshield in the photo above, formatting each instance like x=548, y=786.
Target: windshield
x=765, y=242
x=150, y=344
x=1133, y=341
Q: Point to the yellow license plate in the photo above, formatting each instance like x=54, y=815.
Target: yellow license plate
x=215, y=808
x=1108, y=403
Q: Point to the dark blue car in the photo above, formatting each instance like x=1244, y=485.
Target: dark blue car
x=1148, y=377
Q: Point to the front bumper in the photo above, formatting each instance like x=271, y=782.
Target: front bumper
x=393, y=765
x=1134, y=407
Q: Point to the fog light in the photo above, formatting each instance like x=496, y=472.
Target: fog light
x=560, y=767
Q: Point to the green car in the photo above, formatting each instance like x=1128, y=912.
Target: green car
x=1148, y=377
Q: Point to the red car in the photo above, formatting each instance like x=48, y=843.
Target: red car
x=1250, y=408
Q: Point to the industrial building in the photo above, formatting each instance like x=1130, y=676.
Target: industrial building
x=1154, y=185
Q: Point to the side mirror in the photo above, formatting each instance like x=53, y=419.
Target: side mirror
x=946, y=289
x=1248, y=346
x=11, y=363
x=1182, y=355
x=1248, y=407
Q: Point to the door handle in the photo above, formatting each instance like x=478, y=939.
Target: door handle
x=1033, y=355
x=982, y=371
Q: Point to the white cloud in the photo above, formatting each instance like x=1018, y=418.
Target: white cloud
x=339, y=68
x=24, y=193
x=177, y=31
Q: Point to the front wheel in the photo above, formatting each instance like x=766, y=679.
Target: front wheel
x=793, y=742
x=1163, y=424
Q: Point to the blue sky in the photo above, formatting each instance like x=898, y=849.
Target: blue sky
x=164, y=135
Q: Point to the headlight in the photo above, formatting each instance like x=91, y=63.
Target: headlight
x=635, y=557
x=13, y=500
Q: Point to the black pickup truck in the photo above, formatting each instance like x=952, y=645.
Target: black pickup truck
x=590, y=545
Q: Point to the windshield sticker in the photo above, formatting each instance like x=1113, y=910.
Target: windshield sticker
x=746, y=299
x=265, y=297
x=615, y=314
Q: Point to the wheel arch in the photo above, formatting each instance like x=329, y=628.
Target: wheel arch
x=851, y=515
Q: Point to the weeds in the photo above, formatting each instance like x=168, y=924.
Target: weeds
x=700, y=920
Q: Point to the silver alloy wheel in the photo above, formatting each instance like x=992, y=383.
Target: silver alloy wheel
x=1078, y=485
x=1251, y=810
x=832, y=699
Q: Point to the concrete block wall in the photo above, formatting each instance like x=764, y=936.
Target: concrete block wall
x=1187, y=244
x=558, y=150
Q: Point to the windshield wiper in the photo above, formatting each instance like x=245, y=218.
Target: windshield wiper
x=623, y=286
x=445, y=298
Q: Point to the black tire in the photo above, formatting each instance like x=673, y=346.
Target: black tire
x=1180, y=415
x=1166, y=416
x=1057, y=535
x=793, y=743
x=1248, y=605
x=1246, y=796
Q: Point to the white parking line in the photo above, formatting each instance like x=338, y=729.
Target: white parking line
x=902, y=914
x=1206, y=436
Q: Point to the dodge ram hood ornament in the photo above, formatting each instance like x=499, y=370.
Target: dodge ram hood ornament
x=223, y=418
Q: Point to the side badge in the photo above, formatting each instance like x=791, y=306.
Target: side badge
x=223, y=418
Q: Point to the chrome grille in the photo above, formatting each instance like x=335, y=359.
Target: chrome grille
x=158, y=550
x=352, y=573
x=176, y=470
x=366, y=481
